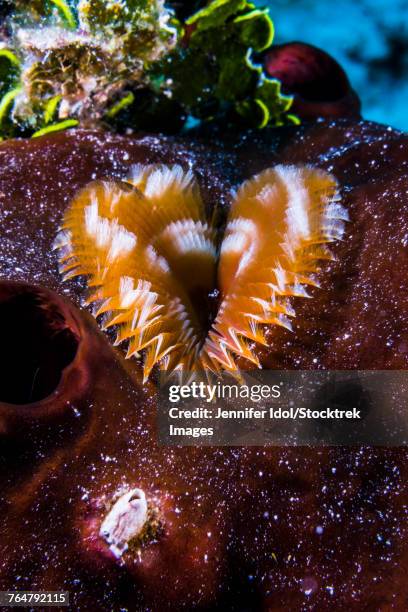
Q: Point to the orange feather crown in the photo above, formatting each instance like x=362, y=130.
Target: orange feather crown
x=153, y=260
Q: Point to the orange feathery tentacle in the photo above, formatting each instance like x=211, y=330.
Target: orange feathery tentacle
x=148, y=252
x=277, y=231
x=150, y=256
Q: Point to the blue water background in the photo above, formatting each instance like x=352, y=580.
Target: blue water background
x=368, y=37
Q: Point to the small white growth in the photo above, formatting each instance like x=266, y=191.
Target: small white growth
x=125, y=521
x=108, y=234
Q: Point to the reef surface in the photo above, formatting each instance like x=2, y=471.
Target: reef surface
x=243, y=528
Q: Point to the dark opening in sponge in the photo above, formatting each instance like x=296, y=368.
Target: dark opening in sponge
x=37, y=343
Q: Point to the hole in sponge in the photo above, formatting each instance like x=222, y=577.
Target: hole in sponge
x=38, y=342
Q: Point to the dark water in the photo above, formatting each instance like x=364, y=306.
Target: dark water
x=368, y=37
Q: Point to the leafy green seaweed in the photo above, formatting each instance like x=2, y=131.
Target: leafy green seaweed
x=124, y=64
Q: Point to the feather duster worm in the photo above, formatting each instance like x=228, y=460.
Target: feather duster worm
x=152, y=258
